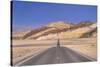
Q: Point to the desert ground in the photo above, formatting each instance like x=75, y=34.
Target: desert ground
x=19, y=53
x=85, y=46
x=24, y=48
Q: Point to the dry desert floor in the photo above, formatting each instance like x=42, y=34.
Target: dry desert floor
x=24, y=48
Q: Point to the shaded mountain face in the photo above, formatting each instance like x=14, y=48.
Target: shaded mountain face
x=65, y=30
x=92, y=33
x=82, y=24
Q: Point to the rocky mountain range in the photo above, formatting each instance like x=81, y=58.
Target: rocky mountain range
x=64, y=30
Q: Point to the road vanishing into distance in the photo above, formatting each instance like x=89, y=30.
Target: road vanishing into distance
x=56, y=55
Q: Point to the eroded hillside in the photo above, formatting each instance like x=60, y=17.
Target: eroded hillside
x=65, y=30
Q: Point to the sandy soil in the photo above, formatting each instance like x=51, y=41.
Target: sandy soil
x=19, y=53
x=25, y=47
x=87, y=49
x=34, y=42
x=86, y=46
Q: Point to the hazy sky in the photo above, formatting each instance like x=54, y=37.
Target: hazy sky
x=35, y=14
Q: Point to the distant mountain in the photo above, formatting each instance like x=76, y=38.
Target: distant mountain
x=82, y=24
x=65, y=30
x=59, y=25
x=92, y=33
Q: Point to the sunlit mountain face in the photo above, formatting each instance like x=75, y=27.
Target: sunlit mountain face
x=64, y=29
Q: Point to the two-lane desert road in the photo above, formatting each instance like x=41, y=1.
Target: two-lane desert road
x=56, y=55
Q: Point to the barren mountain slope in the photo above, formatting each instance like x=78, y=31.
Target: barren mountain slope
x=65, y=30
x=77, y=33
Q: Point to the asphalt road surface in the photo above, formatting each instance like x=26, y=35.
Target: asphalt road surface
x=56, y=55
